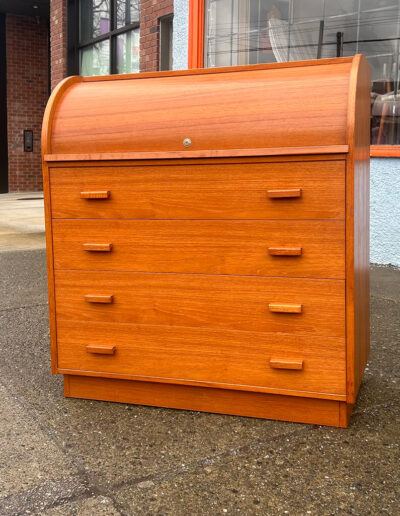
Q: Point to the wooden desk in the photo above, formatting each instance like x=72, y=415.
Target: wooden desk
x=207, y=238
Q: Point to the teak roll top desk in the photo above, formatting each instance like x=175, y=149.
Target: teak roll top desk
x=208, y=238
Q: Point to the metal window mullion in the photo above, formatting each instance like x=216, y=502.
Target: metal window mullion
x=73, y=65
x=112, y=15
x=127, y=12
x=258, y=30
x=110, y=55
x=93, y=41
x=111, y=39
x=116, y=32
x=126, y=28
x=110, y=36
x=396, y=128
x=397, y=50
x=290, y=24
x=231, y=31
x=358, y=25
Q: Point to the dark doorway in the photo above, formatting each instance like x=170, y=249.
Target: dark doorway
x=3, y=108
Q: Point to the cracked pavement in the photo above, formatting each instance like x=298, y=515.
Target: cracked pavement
x=77, y=457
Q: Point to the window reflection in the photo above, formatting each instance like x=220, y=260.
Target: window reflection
x=95, y=60
x=94, y=18
x=128, y=52
x=108, y=36
x=127, y=12
x=264, y=31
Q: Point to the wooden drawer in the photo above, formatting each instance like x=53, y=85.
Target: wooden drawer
x=209, y=191
x=287, y=305
x=260, y=248
x=246, y=359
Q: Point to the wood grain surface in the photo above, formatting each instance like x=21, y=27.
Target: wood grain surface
x=315, y=150
x=358, y=227
x=205, y=108
x=101, y=350
x=285, y=308
x=200, y=300
x=205, y=355
x=207, y=247
x=222, y=401
x=210, y=191
x=95, y=194
x=285, y=363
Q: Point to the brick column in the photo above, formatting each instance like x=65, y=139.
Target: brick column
x=150, y=12
x=27, y=93
x=58, y=40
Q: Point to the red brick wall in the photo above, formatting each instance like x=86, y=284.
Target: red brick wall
x=27, y=94
x=150, y=11
x=58, y=41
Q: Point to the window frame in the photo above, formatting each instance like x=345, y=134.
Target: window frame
x=164, y=61
x=196, y=60
x=74, y=46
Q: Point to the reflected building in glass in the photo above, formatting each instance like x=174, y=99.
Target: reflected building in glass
x=239, y=32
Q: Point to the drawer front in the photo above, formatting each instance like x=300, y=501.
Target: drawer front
x=292, y=190
x=204, y=355
x=287, y=305
x=262, y=248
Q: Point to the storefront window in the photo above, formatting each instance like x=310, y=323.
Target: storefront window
x=265, y=31
x=108, y=36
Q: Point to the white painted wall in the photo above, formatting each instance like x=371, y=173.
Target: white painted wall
x=385, y=172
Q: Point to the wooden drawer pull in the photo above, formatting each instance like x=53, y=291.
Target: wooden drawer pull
x=286, y=309
x=101, y=350
x=286, y=364
x=98, y=194
x=284, y=251
x=101, y=248
x=284, y=194
x=97, y=298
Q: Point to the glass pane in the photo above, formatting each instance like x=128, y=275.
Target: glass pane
x=95, y=60
x=127, y=52
x=128, y=11
x=261, y=31
x=94, y=19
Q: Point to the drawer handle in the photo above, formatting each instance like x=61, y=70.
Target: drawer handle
x=101, y=248
x=284, y=194
x=285, y=251
x=97, y=298
x=286, y=364
x=98, y=194
x=101, y=350
x=286, y=309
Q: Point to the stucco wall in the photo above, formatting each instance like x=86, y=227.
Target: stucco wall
x=385, y=211
x=180, y=34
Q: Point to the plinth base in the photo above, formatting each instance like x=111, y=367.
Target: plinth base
x=205, y=399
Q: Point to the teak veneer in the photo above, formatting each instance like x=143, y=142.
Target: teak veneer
x=229, y=275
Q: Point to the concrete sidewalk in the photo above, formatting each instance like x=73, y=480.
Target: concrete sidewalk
x=62, y=457
x=21, y=221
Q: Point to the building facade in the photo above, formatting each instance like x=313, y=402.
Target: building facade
x=43, y=41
